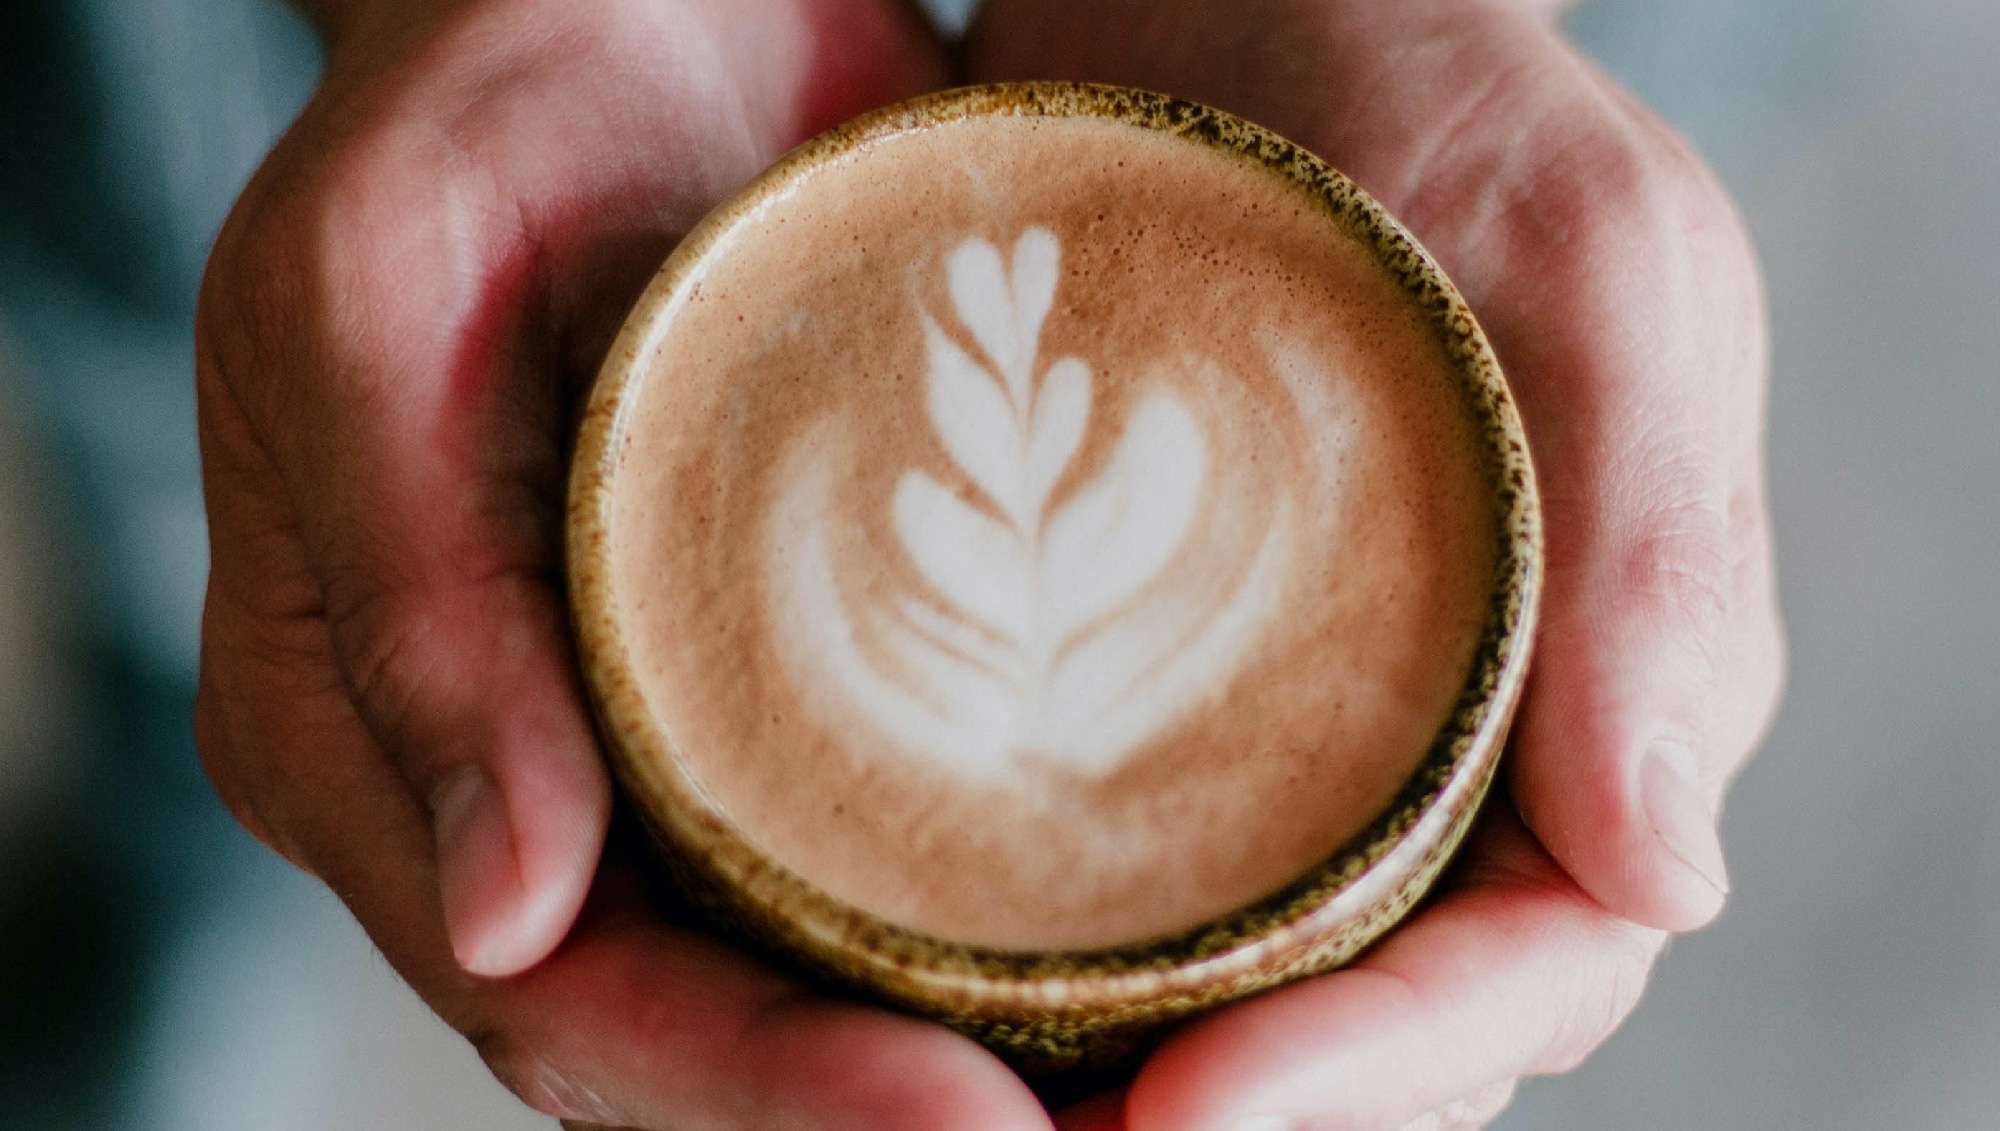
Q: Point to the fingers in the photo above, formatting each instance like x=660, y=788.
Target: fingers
x=1623, y=299
x=391, y=330
x=1468, y=1114
x=1622, y=296
x=1514, y=972
x=744, y=1049
x=631, y=1023
x=475, y=689
x=421, y=458
x=379, y=406
x=388, y=695
x=1658, y=659
x=1622, y=747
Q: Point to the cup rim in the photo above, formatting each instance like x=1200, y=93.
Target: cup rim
x=783, y=908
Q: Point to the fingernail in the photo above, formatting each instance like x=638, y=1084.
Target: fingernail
x=1265, y=1123
x=475, y=860
x=1681, y=819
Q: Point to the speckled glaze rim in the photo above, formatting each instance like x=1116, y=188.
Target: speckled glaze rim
x=1355, y=894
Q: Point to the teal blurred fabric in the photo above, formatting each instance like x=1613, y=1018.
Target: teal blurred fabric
x=126, y=130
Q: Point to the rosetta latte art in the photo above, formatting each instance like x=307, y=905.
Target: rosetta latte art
x=1028, y=622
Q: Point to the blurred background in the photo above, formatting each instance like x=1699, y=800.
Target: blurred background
x=159, y=970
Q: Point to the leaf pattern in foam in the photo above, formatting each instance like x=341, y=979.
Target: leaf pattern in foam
x=1026, y=635
x=1118, y=532
x=1062, y=409
x=985, y=303
x=973, y=561
x=955, y=687
x=975, y=422
x=1005, y=316
x=1037, y=262
x=1120, y=683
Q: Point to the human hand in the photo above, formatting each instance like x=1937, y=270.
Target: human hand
x=393, y=330
x=1623, y=299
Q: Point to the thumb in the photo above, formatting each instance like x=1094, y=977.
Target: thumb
x=469, y=685
x=452, y=634
x=1659, y=657
x=1638, y=339
x=1612, y=755
x=420, y=443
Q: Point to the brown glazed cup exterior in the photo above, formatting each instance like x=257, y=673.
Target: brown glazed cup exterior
x=1057, y=1010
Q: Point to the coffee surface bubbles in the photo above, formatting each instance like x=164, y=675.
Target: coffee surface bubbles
x=1046, y=533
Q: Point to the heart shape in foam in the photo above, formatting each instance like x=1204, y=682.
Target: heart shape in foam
x=1041, y=629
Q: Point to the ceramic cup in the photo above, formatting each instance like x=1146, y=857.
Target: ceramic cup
x=1052, y=1010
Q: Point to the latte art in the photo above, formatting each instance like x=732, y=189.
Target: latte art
x=1045, y=534
x=1045, y=627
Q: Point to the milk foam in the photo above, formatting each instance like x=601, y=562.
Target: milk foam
x=1048, y=534
x=1041, y=628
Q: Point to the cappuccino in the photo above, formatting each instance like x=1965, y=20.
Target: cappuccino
x=1041, y=533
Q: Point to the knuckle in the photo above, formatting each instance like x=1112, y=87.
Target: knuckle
x=531, y=1071
x=252, y=311
x=1483, y=1107
x=383, y=637
x=420, y=650
x=1663, y=517
x=516, y=1065
x=1625, y=180
x=1681, y=564
x=1602, y=1001
x=222, y=755
x=211, y=741
x=244, y=307
x=1692, y=205
x=1619, y=208
x=336, y=198
x=1570, y=216
x=1469, y=1113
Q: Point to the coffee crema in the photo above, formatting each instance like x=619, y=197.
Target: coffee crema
x=1046, y=534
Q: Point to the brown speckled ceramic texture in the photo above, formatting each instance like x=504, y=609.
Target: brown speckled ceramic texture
x=1060, y=1010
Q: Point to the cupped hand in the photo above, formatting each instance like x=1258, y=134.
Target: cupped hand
x=1622, y=296
x=394, y=328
